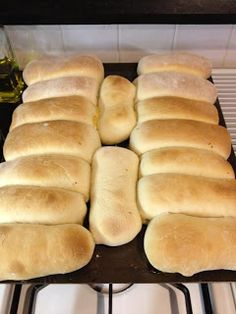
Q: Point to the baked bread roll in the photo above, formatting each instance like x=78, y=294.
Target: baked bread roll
x=176, y=61
x=185, y=194
x=52, y=137
x=43, y=205
x=65, y=86
x=187, y=245
x=176, y=132
x=114, y=218
x=53, y=67
x=174, y=84
x=176, y=108
x=30, y=251
x=116, y=107
x=71, y=108
x=67, y=172
x=193, y=161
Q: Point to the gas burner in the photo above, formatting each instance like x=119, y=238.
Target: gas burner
x=116, y=288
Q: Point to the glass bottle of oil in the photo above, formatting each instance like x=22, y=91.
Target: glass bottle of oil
x=11, y=83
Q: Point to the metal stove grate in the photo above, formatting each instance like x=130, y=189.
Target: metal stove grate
x=33, y=290
x=225, y=81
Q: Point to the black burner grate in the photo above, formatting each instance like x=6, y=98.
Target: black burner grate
x=34, y=289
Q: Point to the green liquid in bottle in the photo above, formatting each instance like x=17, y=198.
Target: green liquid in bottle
x=11, y=83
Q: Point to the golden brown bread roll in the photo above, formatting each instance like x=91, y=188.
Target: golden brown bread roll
x=62, y=171
x=52, y=137
x=186, y=194
x=116, y=107
x=188, y=245
x=174, y=84
x=53, y=67
x=176, y=108
x=43, y=205
x=29, y=251
x=72, y=108
x=176, y=61
x=155, y=134
x=64, y=86
x=185, y=160
x=114, y=218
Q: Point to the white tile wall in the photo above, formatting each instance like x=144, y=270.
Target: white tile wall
x=124, y=43
x=208, y=40
x=101, y=40
x=230, y=56
x=136, y=41
x=30, y=42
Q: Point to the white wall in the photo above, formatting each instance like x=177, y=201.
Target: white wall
x=124, y=43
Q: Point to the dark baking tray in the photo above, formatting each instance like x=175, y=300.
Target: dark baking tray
x=126, y=263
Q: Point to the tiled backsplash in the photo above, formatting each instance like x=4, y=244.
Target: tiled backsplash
x=124, y=43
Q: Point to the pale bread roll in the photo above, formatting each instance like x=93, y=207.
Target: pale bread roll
x=176, y=108
x=193, y=161
x=28, y=251
x=52, y=137
x=176, y=61
x=186, y=194
x=116, y=107
x=174, y=84
x=62, y=66
x=176, y=132
x=71, y=108
x=114, y=218
x=43, y=205
x=176, y=243
x=65, y=86
x=62, y=171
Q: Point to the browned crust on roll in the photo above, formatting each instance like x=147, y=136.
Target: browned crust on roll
x=43, y=205
x=54, y=67
x=185, y=160
x=71, y=108
x=64, y=86
x=175, y=84
x=116, y=107
x=184, y=62
x=188, y=245
x=155, y=134
x=29, y=251
x=52, y=137
x=186, y=194
x=176, y=108
x=63, y=171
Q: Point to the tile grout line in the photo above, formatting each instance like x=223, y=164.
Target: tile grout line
x=118, y=41
x=62, y=38
x=174, y=38
x=227, y=45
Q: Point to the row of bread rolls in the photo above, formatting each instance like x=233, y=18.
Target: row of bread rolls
x=45, y=180
x=114, y=218
x=184, y=170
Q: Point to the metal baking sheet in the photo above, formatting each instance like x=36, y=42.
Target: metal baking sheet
x=126, y=263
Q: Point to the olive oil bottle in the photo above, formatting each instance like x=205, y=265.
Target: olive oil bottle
x=11, y=83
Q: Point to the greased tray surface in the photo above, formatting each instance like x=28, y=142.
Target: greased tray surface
x=126, y=263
